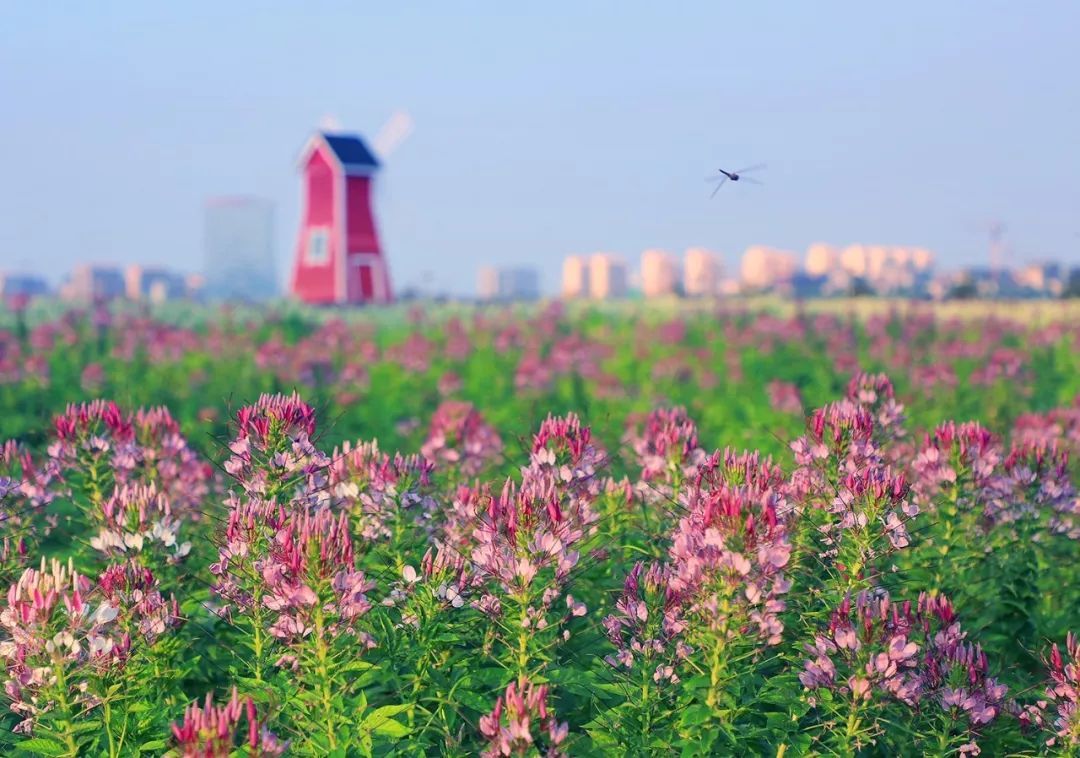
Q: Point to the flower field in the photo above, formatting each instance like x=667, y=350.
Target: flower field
x=643, y=531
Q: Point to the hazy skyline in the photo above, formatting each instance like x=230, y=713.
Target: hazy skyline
x=547, y=131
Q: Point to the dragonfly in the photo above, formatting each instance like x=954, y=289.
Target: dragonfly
x=735, y=176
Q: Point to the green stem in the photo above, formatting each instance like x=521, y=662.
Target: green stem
x=646, y=710
x=65, y=709
x=108, y=728
x=523, y=638
x=852, y=732
x=718, y=664
x=323, y=672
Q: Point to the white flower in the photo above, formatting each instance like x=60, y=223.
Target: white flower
x=107, y=540
x=105, y=614
x=455, y=598
x=100, y=645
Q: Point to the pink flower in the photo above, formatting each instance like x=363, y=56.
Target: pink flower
x=214, y=731
x=522, y=719
x=459, y=435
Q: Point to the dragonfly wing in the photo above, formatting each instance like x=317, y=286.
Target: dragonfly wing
x=750, y=179
x=718, y=186
x=756, y=167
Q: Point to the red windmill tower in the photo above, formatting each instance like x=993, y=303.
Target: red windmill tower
x=338, y=256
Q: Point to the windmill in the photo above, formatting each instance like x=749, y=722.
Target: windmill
x=339, y=257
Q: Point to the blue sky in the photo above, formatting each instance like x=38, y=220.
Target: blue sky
x=566, y=127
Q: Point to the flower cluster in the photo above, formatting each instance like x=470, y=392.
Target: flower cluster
x=298, y=566
x=957, y=463
x=442, y=584
x=272, y=453
x=137, y=519
x=565, y=460
x=784, y=397
x=909, y=653
x=460, y=436
x=375, y=487
x=526, y=532
x=845, y=486
x=214, y=731
x=170, y=462
x=100, y=442
x=666, y=446
x=522, y=721
x=310, y=571
x=875, y=393
x=874, y=503
x=53, y=634
x=1034, y=484
x=729, y=551
x=839, y=440
x=1063, y=694
x=648, y=622
x=26, y=488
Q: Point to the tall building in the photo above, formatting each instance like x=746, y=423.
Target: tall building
x=607, y=277
x=764, y=267
x=575, y=276
x=487, y=283
x=508, y=284
x=89, y=283
x=239, y=246
x=821, y=259
x=154, y=284
x=658, y=273
x=701, y=273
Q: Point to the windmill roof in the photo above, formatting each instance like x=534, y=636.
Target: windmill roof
x=351, y=151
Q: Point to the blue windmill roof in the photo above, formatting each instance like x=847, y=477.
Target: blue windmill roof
x=351, y=151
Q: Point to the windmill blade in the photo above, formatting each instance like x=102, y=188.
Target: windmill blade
x=718, y=186
x=329, y=123
x=755, y=167
x=393, y=133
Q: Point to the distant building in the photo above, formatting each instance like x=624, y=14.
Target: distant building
x=239, y=247
x=881, y=268
x=575, y=276
x=22, y=286
x=765, y=267
x=805, y=284
x=701, y=273
x=508, y=284
x=89, y=283
x=659, y=273
x=821, y=259
x=1043, y=278
x=487, y=283
x=855, y=260
x=607, y=277
x=154, y=284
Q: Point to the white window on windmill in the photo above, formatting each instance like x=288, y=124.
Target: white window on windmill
x=318, y=246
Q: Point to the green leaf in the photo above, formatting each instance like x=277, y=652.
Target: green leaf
x=43, y=746
x=373, y=719
x=391, y=728
x=695, y=715
x=152, y=746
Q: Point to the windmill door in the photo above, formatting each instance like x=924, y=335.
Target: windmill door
x=362, y=278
